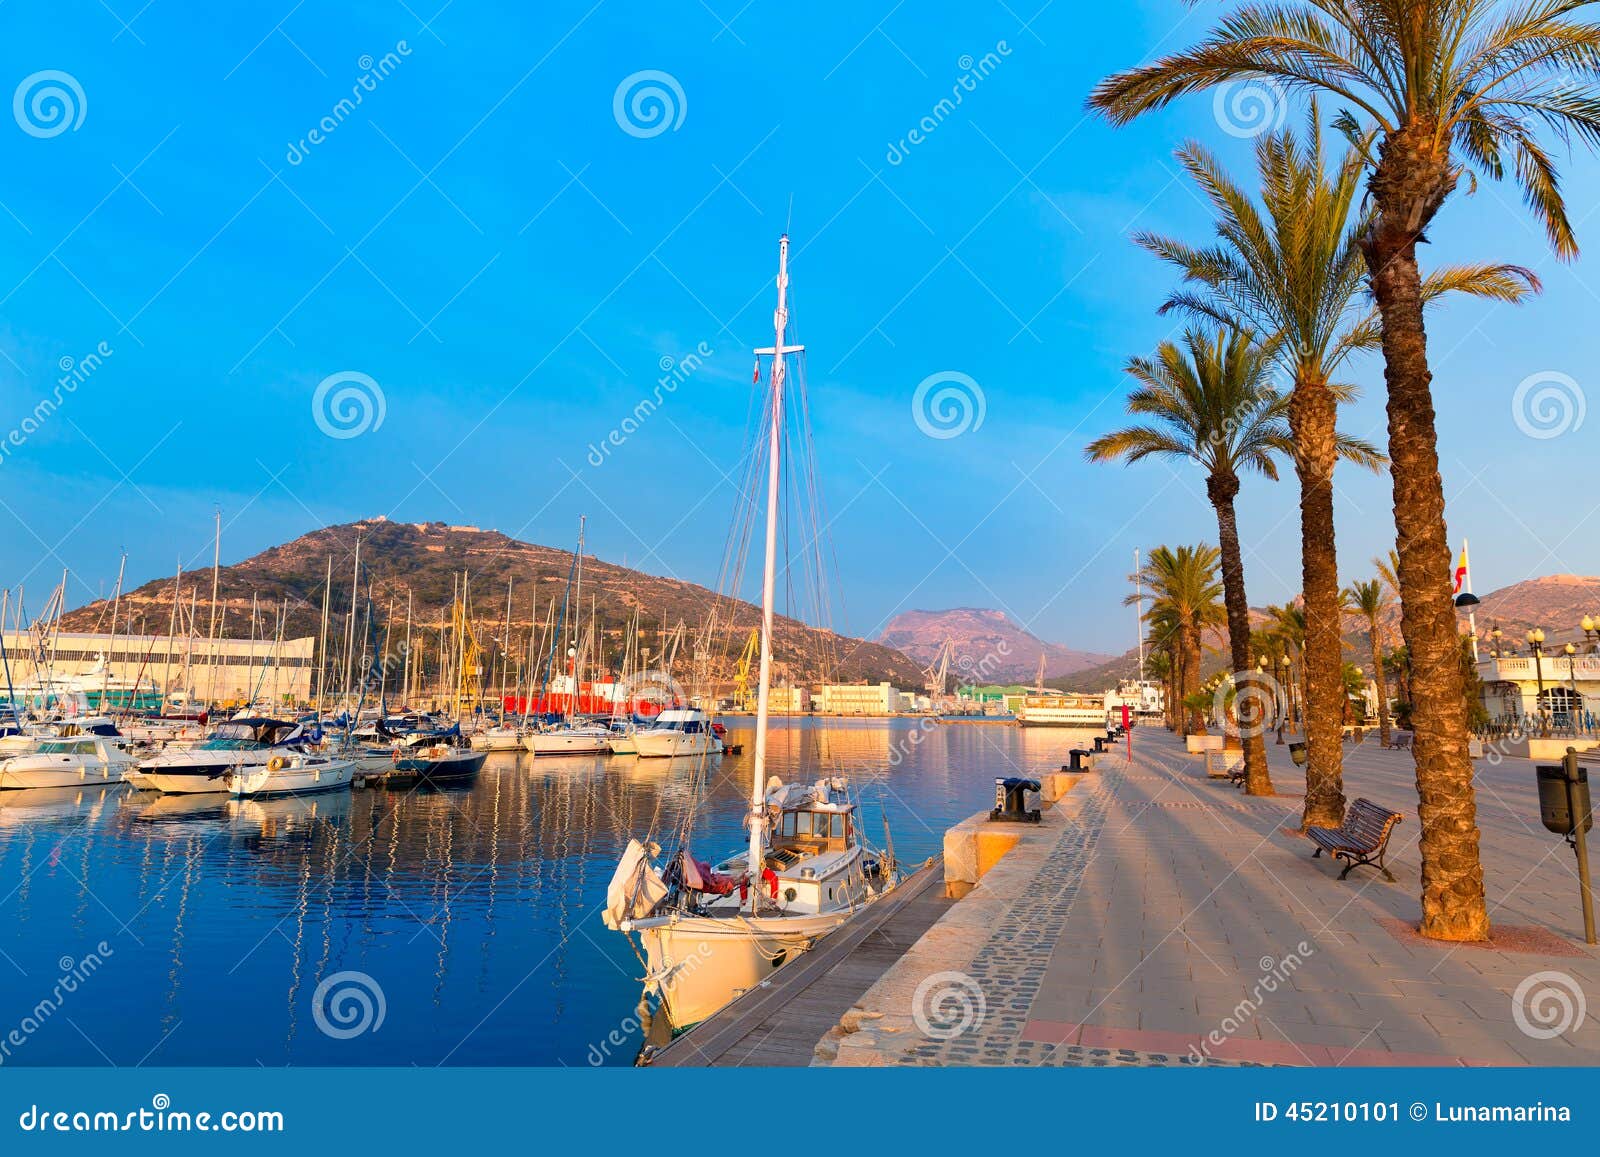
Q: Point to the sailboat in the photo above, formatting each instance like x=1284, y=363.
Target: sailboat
x=711, y=932
x=568, y=737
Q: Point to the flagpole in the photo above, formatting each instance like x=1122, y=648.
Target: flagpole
x=1472, y=617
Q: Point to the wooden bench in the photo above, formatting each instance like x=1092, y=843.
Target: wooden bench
x=1400, y=741
x=1361, y=839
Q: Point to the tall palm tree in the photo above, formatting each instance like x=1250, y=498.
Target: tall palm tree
x=1371, y=600
x=1185, y=599
x=1212, y=403
x=1292, y=268
x=1448, y=86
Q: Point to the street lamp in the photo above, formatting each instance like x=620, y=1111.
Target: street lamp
x=1591, y=632
x=1535, y=639
x=1497, y=634
x=1575, y=706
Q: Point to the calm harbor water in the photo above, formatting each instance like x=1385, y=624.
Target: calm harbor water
x=473, y=914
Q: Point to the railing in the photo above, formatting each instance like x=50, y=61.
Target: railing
x=1554, y=725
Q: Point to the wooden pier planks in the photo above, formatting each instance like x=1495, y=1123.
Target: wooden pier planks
x=780, y=1024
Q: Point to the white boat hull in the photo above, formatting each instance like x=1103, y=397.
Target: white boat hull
x=16, y=774
x=698, y=964
x=497, y=741
x=292, y=779
x=667, y=743
x=566, y=743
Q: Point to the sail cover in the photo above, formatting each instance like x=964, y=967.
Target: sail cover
x=635, y=889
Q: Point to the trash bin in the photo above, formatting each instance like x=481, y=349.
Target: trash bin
x=1297, y=752
x=1553, y=808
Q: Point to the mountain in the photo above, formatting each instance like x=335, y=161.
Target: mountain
x=989, y=647
x=1557, y=603
x=423, y=562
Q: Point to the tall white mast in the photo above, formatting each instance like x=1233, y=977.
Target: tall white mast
x=1138, y=616
x=780, y=323
x=216, y=570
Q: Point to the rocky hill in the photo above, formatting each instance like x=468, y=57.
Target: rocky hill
x=989, y=647
x=423, y=563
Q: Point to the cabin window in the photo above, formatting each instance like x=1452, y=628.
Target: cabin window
x=802, y=823
x=838, y=829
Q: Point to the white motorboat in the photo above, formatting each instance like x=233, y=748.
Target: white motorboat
x=569, y=739
x=623, y=741
x=292, y=773
x=707, y=933
x=232, y=746
x=501, y=737
x=87, y=760
x=678, y=731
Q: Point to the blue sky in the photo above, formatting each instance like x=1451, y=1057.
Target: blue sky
x=482, y=238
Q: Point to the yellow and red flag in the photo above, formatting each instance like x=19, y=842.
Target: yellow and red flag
x=1461, y=571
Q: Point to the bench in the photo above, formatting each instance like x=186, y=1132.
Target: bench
x=1361, y=839
x=1400, y=741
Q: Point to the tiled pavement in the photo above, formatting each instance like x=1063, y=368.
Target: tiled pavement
x=1174, y=918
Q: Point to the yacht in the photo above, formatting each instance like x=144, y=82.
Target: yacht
x=623, y=737
x=82, y=761
x=501, y=737
x=569, y=739
x=291, y=773
x=232, y=746
x=678, y=731
x=1084, y=712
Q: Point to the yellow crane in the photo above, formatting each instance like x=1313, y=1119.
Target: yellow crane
x=741, y=674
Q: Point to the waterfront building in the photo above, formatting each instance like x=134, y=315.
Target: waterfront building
x=1512, y=687
x=860, y=699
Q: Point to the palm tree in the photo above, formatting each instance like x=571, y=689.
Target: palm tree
x=1185, y=599
x=1448, y=86
x=1371, y=600
x=1293, y=269
x=1212, y=403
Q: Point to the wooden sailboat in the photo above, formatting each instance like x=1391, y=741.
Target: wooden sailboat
x=709, y=933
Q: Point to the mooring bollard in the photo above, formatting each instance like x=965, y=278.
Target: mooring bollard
x=1564, y=809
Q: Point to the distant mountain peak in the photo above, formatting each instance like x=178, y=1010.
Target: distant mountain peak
x=988, y=643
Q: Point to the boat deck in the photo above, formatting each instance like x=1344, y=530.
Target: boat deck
x=780, y=1023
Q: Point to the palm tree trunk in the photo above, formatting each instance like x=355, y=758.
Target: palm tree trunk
x=1313, y=419
x=1381, y=679
x=1249, y=702
x=1453, y=903
x=1195, y=723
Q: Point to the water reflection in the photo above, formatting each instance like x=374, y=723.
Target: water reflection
x=472, y=908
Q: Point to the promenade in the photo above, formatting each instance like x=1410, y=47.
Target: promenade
x=1158, y=918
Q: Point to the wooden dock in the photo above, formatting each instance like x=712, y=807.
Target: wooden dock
x=780, y=1023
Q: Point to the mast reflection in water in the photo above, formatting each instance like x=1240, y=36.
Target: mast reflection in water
x=385, y=927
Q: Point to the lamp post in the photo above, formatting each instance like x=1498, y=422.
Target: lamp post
x=1591, y=632
x=1535, y=639
x=1497, y=634
x=1575, y=706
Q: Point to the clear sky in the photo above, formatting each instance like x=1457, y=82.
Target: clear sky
x=509, y=249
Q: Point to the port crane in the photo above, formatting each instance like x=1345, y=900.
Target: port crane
x=741, y=674
x=938, y=672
